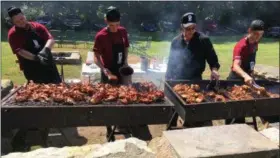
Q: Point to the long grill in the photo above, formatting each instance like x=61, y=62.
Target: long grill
x=54, y=115
x=210, y=110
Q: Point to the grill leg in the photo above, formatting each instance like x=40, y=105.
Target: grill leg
x=44, y=135
x=173, y=120
x=62, y=72
x=255, y=123
x=63, y=134
x=110, y=133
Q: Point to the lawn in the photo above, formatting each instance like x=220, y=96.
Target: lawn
x=268, y=54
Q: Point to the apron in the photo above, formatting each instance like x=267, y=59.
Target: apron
x=117, y=62
x=33, y=70
x=247, y=65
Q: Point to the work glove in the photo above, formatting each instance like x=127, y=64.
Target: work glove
x=42, y=60
x=46, y=52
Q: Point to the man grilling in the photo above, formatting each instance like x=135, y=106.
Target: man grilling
x=244, y=59
x=110, y=54
x=31, y=42
x=111, y=47
x=189, y=52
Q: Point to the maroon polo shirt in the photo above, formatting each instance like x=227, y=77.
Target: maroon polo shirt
x=17, y=38
x=103, y=43
x=243, y=49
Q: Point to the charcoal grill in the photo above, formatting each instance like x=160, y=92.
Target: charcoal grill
x=210, y=110
x=42, y=115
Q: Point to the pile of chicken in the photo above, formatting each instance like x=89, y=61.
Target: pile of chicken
x=192, y=93
x=91, y=93
x=245, y=92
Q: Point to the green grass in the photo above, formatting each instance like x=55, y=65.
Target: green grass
x=268, y=54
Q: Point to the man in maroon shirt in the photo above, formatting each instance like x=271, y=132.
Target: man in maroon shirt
x=244, y=53
x=244, y=59
x=110, y=54
x=111, y=47
x=31, y=42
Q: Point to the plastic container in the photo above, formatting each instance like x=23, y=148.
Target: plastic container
x=144, y=63
x=89, y=60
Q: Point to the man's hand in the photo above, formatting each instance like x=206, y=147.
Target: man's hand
x=248, y=79
x=46, y=53
x=215, y=74
x=110, y=75
x=41, y=59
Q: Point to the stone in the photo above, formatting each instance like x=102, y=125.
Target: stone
x=237, y=140
x=6, y=87
x=275, y=125
x=131, y=147
x=162, y=148
x=272, y=134
x=127, y=148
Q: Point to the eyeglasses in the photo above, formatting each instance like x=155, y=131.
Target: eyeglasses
x=189, y=28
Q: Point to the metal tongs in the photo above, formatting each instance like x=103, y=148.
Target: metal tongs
x=215, y=86
x=255, y=85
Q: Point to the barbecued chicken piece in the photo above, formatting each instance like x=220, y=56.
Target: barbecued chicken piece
x=145, y=100
x=69, y=100
x=97, y=98
x=199, y=99
x=57, y=97
x=21, y=98
x=195, y=87
x=219, y=98
x=271, y=95
x=159, y=94
x=211, y=94
x=123, y=101
x=179, y=87
x=88, y=89
x=77, y=95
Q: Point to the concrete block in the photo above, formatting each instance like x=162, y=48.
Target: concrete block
x=238, y=141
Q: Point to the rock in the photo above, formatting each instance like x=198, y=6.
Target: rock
x=162, y=148
x=131, y=147
x=127, y=148
x=275, y=125
x=272, y=134
x=6, y=87
x=237, y=140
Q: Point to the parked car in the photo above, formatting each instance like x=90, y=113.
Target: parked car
x=273, y=32
x=45, y=20
x=98, y=27
x=168, y=26
x=72, y=22
x=149, y=27
x=209, y=26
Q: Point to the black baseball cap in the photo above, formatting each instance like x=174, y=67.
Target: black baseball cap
x=113, y=14
x=188, y=19
x=257, y=25
x=12, y=11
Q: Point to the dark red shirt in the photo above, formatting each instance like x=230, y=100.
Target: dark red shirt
x=243, y=49
x=103, y=43
x=17, y=38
